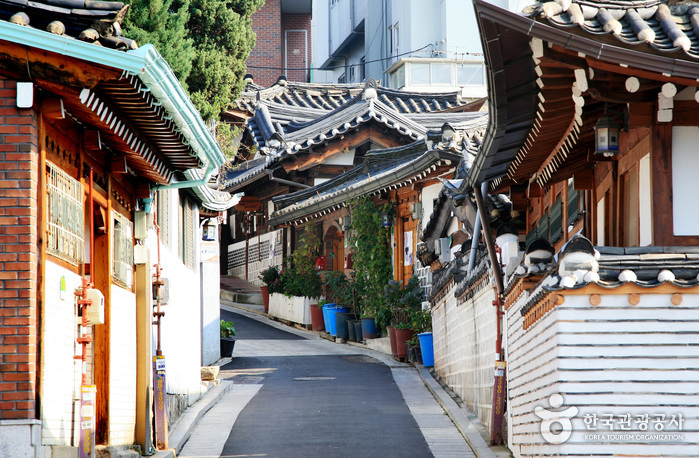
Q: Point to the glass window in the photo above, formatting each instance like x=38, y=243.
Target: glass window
x=441, y=73
x=419, y=73
x=398, y=78
x=469, y=74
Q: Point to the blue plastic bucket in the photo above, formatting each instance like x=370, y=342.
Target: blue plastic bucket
x=326, y=315
x=427, y=348
x=333, y=322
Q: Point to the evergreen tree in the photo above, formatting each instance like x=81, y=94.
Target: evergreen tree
x=206, y=43
x=164, y=25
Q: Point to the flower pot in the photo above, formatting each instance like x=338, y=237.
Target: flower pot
x=369, y=328
x=341, y=319
x=227, y=344
x=317, y=321
x=427, y=349
x=392, y=337
x=402, y=338
x=265, y=297
x=358, y=330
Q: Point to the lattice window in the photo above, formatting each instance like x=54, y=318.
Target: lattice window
x=186, y=232
x=164, y=216
x=122, y=244
x=573, y=206
x=65, y=225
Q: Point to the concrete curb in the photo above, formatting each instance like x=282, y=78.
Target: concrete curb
x=182, y=429
x=457, y=416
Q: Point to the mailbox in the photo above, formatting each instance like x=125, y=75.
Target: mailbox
x=94, y=313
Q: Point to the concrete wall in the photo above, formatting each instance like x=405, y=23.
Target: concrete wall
x=210, y=313
x=614, y=359
x=464, y=348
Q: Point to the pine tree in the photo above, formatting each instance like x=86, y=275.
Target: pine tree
x=206, y=43
x=164, y=25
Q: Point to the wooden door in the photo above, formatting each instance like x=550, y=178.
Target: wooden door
x=407, y=245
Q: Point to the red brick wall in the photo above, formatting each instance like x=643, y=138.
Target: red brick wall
x=270, y=25
x=294, y=39
x=18, y=256
x=267, y=25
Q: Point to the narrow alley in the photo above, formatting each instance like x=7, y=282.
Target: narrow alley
x=293, y=393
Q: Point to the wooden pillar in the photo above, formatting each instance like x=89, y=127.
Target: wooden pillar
x=144, y=357
x=661, y=184
x=101, y=274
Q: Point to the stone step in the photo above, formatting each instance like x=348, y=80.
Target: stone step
x=242, y=297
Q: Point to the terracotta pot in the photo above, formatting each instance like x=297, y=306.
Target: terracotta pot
x=402, y=338
x=317, y=321
x=392, y=336
x=265, y=297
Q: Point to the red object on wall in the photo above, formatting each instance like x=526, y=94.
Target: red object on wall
x=349, y=263
x=320, y=263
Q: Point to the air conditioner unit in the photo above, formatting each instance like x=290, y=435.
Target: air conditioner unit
x=94, y=313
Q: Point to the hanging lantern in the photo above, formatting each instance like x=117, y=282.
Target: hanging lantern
x=607, y=136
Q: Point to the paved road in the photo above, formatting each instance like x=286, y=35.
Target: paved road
x=298, y=395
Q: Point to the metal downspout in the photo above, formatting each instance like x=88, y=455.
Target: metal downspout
x=188, y=184
x=476, y=236
x=287, y=182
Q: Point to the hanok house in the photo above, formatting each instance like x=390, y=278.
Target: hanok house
x=593, y=133
x=86, y=133
x=300, y=135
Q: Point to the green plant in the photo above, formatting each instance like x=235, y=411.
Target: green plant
x=405, y=303
x=370, y=243
x=322, y=303
x=227, y=329
x=299, y=277
x=271, y=278
x=344, y=290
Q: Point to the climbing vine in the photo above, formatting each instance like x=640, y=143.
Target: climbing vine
x=372, y=257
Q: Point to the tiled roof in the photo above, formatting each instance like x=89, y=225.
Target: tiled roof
x=331, y=96
x=382, y=169
x=85, y=20
x=236, y=177
x=646, y=267
x=664, y=26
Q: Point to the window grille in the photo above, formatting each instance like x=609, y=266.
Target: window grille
x=122, y=245
x=65, y=225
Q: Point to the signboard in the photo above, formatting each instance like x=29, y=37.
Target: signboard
x=160, y=394
x=209, y=251
x=248, y=204
x=498, y=404
x=88, y=398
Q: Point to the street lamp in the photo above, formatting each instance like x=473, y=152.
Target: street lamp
x=209, y=231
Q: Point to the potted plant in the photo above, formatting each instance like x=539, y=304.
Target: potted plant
x=405, y=304
x=317, y=321
x=227, y=339
x=270, y=277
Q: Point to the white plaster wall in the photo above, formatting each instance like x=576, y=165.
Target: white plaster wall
x=122, y=367
x=613, y=359
x=429, y=194
x=685, y=186
x=464, y=348
x=210, y=312
x=60, y=373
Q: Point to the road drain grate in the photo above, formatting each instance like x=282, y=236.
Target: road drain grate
x=361, y=359
x=313, y=379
